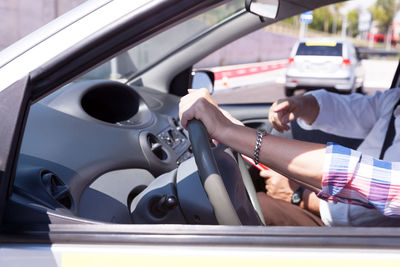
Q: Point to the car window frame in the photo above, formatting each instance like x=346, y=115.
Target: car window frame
x=14, y=100
x=63, y=68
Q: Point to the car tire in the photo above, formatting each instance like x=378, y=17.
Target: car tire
x=289, y=91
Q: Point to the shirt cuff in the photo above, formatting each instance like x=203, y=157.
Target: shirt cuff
x=317, y=95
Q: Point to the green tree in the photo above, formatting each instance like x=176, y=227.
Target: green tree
x=383, y=11
x=352, y=18
x=327, y=18
x=336, y=20
x=322, y=19
x=293, y=20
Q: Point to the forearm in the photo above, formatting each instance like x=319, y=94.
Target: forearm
x=310, y=202
x=301, y=160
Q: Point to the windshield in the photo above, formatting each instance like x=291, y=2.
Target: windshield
x=311, y=49
x=151, y=51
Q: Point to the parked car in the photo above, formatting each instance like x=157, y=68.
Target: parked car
x=95, y=168
x=332, y=64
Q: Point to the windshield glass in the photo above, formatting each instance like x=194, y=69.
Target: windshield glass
x=311, y=49
x=151, y=51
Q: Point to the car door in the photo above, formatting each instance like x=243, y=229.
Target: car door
x=51, y=238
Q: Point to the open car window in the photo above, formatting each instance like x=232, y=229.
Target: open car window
x=118, y=141
x=151, y=51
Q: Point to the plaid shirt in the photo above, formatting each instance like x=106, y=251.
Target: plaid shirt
x=353, y=178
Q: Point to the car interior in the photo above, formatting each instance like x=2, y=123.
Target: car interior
x=108, y=147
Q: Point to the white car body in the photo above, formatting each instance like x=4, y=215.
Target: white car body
x=310, y=67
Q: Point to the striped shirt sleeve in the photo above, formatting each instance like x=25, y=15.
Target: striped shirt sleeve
x=353, y=178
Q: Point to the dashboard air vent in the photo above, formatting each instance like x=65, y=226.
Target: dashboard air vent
x=57, y=189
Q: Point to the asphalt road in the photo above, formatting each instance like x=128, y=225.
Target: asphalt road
x=378, y=76
x=251, y=94
x=260, y=94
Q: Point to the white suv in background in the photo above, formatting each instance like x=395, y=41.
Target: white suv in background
x=332, y=64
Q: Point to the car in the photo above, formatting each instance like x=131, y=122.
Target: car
x=96, y=169
x=327, y=63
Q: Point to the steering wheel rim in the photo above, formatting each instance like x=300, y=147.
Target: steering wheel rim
x=211, y=177
x=250, y=188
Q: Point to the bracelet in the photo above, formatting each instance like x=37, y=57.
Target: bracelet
x=260, y=134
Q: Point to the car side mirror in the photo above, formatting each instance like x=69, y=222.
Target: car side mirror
x=203, y=79
x=263, y=8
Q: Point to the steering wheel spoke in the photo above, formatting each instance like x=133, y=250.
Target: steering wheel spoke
x=211, y=178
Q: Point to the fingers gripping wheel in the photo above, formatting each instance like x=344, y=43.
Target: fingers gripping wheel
x=210, y=176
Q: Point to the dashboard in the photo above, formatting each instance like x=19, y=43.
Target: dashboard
x=92, y=146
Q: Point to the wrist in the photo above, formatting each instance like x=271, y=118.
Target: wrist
x=297, y=196
x=256, y=154
x=304, y=201
x=226, y=133
x=310, y=202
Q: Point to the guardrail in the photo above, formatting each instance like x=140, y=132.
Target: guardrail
x=365, y=52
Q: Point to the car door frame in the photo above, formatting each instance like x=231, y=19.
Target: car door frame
x=14, y=105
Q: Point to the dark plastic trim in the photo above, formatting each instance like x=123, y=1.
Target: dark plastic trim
x=14, y=111
x=395, y=81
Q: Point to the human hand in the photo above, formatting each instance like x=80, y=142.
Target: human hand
x=278, y=186
x=284, y=111
x=198, y=104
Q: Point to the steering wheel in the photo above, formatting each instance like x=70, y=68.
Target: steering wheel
x=211, y=178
